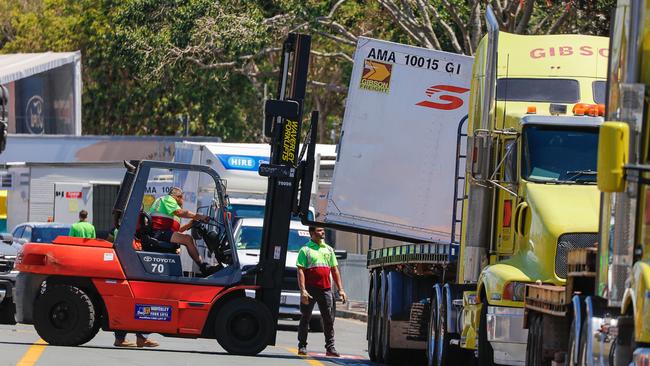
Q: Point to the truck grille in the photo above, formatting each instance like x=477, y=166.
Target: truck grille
x=567, y=242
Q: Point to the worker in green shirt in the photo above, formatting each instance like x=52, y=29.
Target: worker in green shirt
x=82, y=228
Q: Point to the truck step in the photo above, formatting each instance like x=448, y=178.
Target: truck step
x=547, y=299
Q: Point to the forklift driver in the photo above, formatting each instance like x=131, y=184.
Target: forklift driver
x=166, y=212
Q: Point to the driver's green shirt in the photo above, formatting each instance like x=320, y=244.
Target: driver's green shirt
x=82, y=229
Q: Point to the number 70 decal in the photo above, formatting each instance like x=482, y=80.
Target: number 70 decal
x=449, y=95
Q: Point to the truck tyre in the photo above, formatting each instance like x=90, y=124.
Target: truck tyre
x=65, y=316
x=624, y=344
x=535, y=340
x=582, y=356
x=379, y=311
x=447, y=354
x=432, y=333
x=372, y=322
x=387, y=353
x=574, y=348
x=485, y=352
x=244, y=326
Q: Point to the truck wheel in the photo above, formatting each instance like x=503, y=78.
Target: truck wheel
x=65, y=316
x=388, y=353
x=316, y=325
x=244, y=326
x=573, y=348
x=379, y=311
x=372, y=323
x=446, y=353
x=582, y=356
x=485, y=352
x=432, y=333
x=625, y=344
x=535, y=338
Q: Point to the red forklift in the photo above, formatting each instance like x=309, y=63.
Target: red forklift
x=72, y=287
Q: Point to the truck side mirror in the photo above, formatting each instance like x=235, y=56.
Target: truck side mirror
x=613, y=147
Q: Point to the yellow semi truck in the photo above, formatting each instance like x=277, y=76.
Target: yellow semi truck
x=496, y=195
x=602, y=316
x=531, y=183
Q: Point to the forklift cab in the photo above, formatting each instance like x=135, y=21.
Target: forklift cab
x=147, y=259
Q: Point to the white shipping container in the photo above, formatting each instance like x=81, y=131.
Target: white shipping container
x=397, y=153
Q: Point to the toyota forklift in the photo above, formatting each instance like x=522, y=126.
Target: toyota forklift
x=72, y=287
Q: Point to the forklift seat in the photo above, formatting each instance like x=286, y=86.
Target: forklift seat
x=144, y=232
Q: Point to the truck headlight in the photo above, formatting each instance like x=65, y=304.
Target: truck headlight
x=514, y=291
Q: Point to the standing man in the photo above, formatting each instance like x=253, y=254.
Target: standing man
x=316, y=261
x=82, y=228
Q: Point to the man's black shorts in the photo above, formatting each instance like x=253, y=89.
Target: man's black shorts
x=164, y=238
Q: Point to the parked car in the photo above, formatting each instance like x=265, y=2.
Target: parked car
x=8, y=253
x=248, y=238
x=39, y=232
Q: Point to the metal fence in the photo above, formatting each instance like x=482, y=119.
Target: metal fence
x=355, y=277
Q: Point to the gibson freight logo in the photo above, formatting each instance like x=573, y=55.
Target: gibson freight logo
x=447, y=100
x=376, y=76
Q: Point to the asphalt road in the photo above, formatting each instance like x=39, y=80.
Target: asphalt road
x=21, y=346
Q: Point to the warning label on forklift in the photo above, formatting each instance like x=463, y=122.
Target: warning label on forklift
x=153, y=312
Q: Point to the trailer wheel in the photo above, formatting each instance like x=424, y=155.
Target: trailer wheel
x=388, y=353
x=379, y=311
x=244, y=326
x=65, y=316
x=584, y=333
x=485, y=351
x=574, y=347
x=372, y=323
x=431, y=334
x=625, y=345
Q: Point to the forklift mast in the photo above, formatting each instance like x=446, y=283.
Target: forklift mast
x=283, y=124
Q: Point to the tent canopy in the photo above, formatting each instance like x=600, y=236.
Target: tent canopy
x=21, y=65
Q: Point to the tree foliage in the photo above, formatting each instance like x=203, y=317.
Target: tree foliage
x=148, y=64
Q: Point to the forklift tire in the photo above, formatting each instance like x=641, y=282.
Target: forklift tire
x=485, y=351
x=65, y=316
x=244, y=326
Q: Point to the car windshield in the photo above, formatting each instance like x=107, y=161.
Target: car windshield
x=241, y=211
x=48, y=234
x=555, y=154
x=250, y=237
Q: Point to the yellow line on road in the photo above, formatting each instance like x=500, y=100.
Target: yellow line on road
x=33, y=353
x=307, y=359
